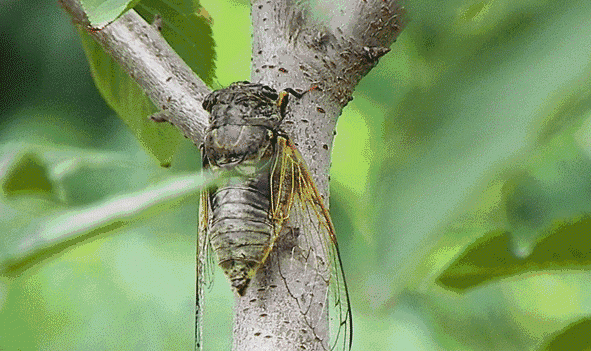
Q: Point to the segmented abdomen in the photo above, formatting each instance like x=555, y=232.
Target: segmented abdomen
x=241, y=229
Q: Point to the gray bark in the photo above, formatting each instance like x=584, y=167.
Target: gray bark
x=291, y=49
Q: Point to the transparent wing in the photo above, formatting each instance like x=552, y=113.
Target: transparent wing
x=295, y=200
x=204, y=266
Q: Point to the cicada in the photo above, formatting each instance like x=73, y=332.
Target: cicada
x=263, y=186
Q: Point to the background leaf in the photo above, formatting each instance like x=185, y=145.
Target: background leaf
x=102, y=12
x=573, y=337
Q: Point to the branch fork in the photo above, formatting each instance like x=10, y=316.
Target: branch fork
x=292, y=48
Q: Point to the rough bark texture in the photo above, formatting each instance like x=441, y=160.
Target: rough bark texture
x=292, y=48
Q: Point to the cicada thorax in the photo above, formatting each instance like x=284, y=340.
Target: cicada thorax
x=240, y=148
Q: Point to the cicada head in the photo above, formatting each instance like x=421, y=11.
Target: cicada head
x=244, y=103
x=244, y=119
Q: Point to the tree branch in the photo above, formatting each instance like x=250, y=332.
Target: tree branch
x=144, y=54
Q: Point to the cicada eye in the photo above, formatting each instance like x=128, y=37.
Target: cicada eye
x=209, y=101
x=269, y=92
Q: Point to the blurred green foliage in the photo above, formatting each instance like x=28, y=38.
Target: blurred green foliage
x=460, y=189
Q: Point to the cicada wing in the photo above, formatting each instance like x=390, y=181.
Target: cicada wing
x=206, y=259
x=295, y=200
x=204, y=266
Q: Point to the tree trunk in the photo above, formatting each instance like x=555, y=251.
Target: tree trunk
x=295, y=48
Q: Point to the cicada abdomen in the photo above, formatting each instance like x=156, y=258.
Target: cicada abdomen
x=240, y=146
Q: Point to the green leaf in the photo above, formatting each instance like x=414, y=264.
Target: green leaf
x=574, y=337
x=542, y=217
x=27, y=174
x=130, y=103
x=89, y=176
x=493, y=256
x=46, y=237
x=186, y=27
x=102, y=12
